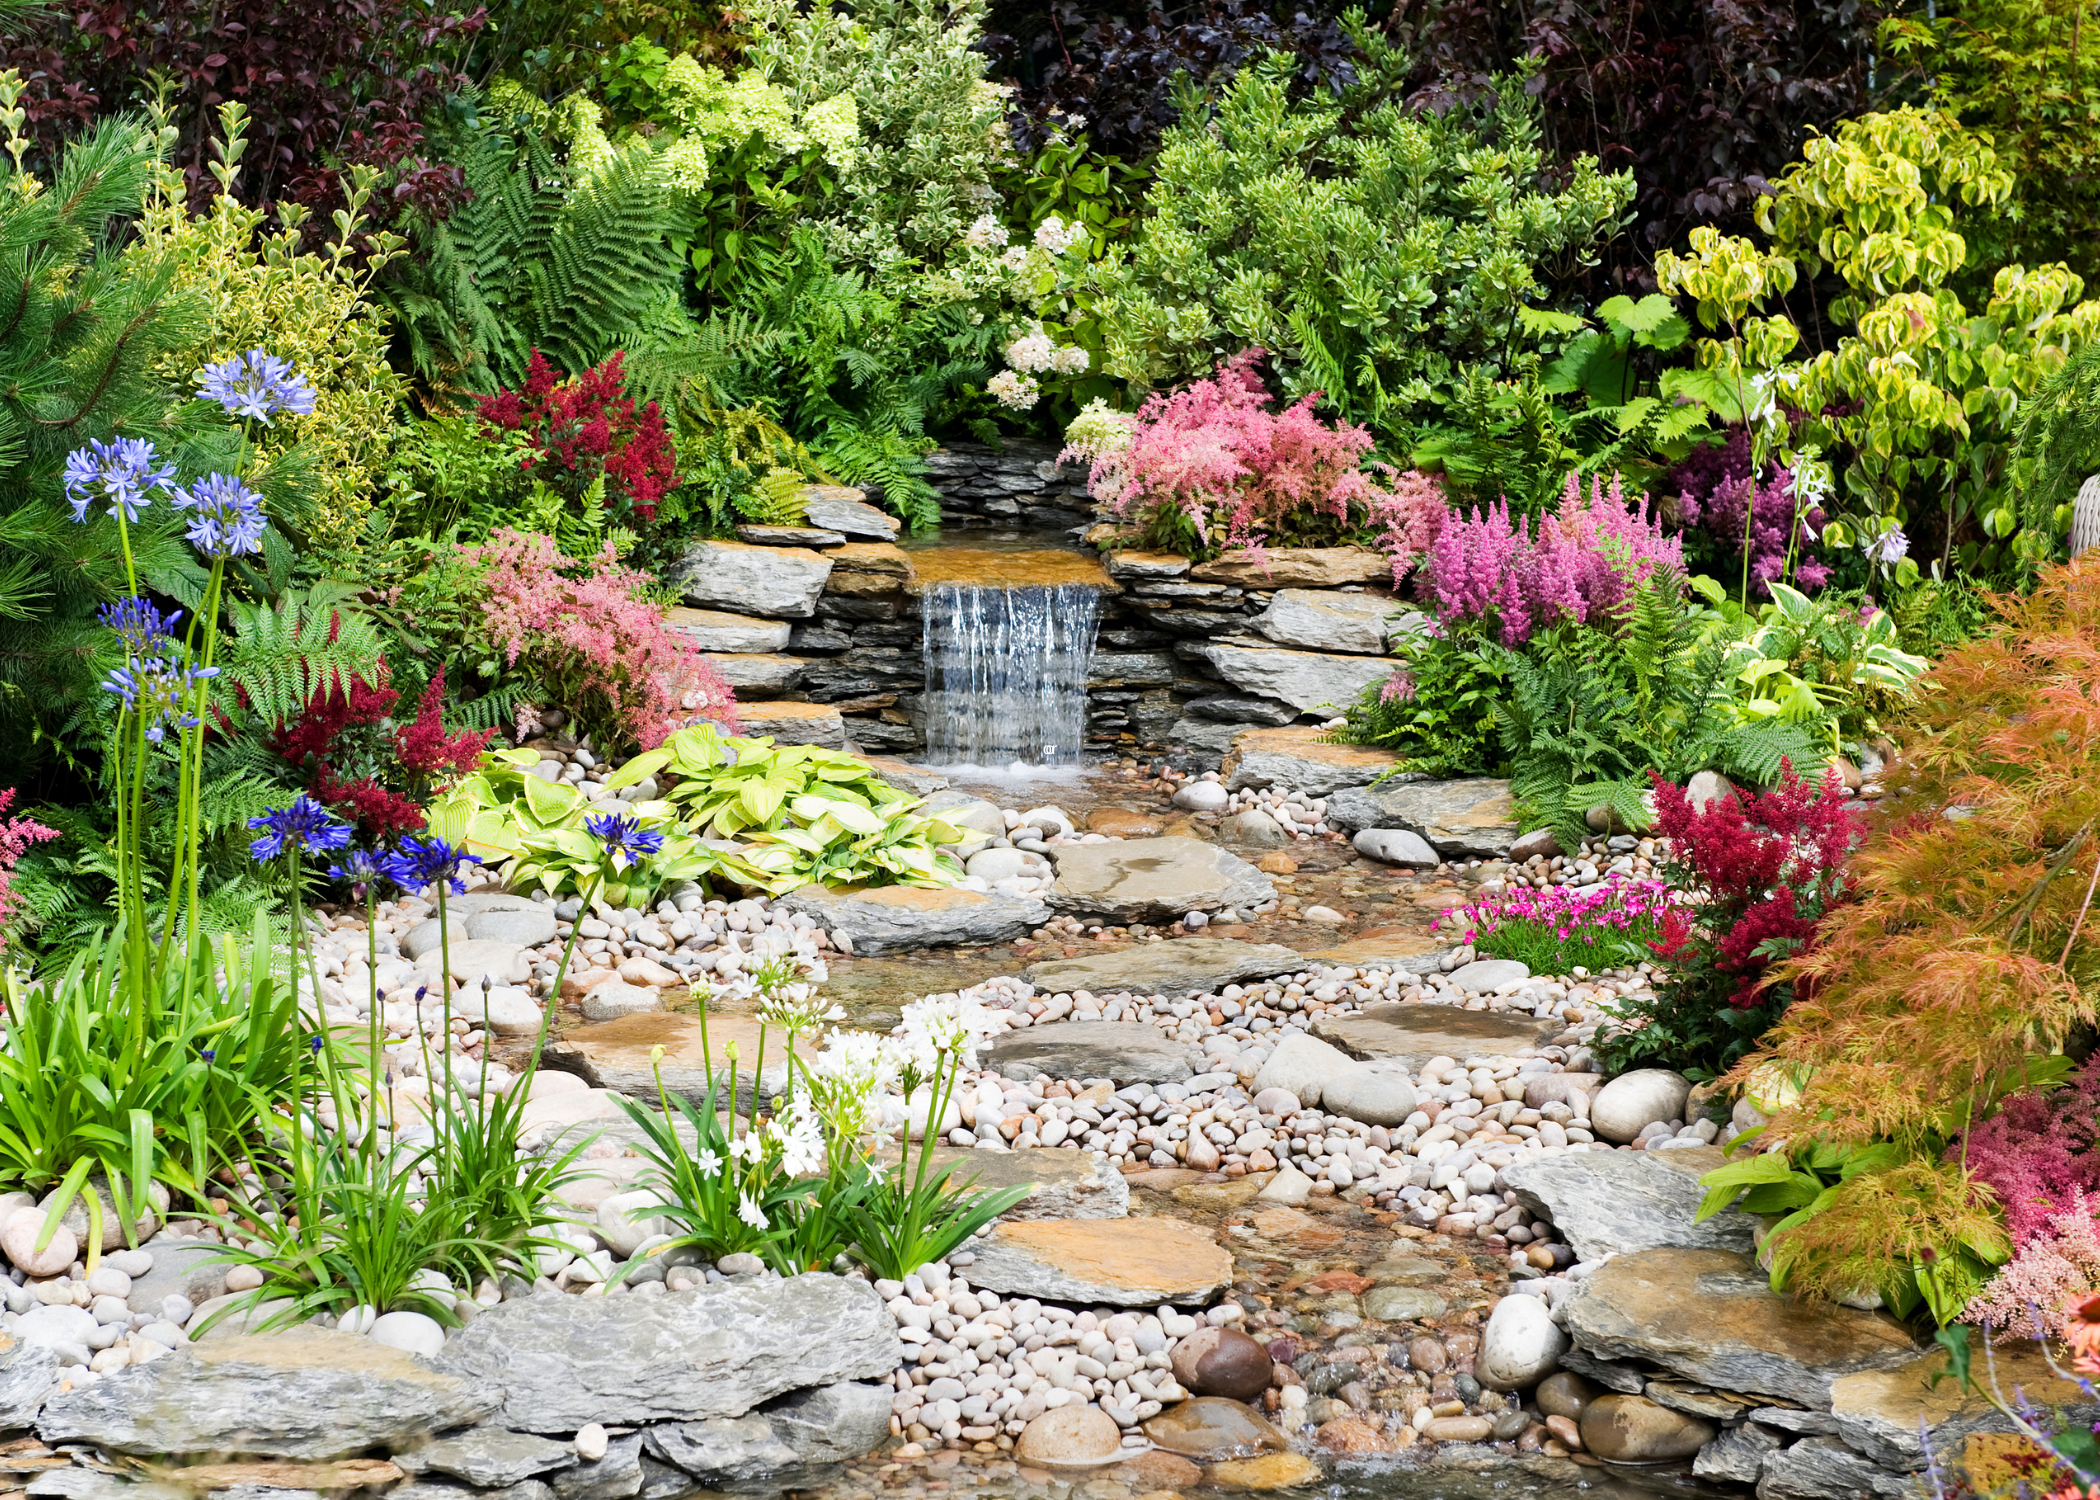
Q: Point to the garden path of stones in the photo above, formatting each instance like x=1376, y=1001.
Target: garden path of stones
x=1314, y=1191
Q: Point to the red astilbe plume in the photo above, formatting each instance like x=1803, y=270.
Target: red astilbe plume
x=1971, y=945
x=309, y=739
x=589, y=426
x=380, y=815
x=426, y=751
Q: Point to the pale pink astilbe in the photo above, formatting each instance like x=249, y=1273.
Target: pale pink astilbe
x=16, y=835
x=599, y=646
x=2053, y=1272
x=1409, y=518
x=1577, y=565
x=1215, y=453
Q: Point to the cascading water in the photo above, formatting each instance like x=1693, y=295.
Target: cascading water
x=1006, y=672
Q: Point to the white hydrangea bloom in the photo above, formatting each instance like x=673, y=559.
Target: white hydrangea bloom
x=1032, y=351
x=986, y=233
x=1071, y=360
x=1013, y=390
x=1056, y=236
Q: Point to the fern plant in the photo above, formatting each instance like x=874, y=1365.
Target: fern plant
x=1592, y=709
x=2058, y=450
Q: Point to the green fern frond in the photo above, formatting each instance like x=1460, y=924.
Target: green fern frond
x=309, y=642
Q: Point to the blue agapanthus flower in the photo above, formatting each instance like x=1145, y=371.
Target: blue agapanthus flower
x=623, y=835
x=139, y=623
x=426, y=861
x=257, y=384
x=306, y=826
x=121, y=471
x=157, y=689
x=226, y=519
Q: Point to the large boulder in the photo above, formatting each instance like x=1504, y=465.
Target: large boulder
x=1126, y=1051
x=28, y=1373
x=1298, y=758
x=306, y=1393
x=1306, y=680
x=1154, y=880
x=1711, y=1316
x=1473, y=817
x=1187, y=966
x=557, y=1363
x=907, y=916
x=781, y=582
x=1620, y=1202
x=1090, y=1262
x=1327, y=620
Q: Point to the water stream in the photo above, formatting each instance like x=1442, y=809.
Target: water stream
x=1006, y=671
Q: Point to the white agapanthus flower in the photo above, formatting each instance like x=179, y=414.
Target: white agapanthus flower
x=948, y=1024
x=748, y=1210
x=801, y=1141
x=707, y=1164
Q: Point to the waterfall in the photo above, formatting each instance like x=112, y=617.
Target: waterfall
x=1006, y=672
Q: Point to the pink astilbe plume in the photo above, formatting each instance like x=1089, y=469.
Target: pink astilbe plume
x=2051, y=1274
x=603, y=650
x=16, y=835
x=1215, y=453
x=1577, y=565
x=2040, y=1152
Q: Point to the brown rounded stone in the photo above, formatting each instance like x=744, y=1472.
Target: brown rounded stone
x=1159, y=1470
x=1122, y=823
x=1633, y=1429
x=1213, y=1427
x=1073, y=1434
x=1458, y=1430
x=1222, y=1362
x=1427, y=1355
x=1565, y=1394
x=1565, y=1432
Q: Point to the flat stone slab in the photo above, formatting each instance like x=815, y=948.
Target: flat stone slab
x=1297, y=567
x=1412, y=1032
x=1061, y=1184
x=774, y=1444
x=1183, y=966
x=1156, y=880
x=1119, y=1262
x=1880, y=1412
x=1416, y=955
x=780, y=582
x=1304, y=679
x=557, y=1363
x=790, y=536
x=616, y=1054
x=1621, y=1202
x=28, y=1374
x=493, y=1457
x=838, y=507
x=760, y=673
x=869, y=570
x=906, y=916
x=1296, y=757
x=718, y=630
x=1711, y=1316
x=794, y=723
x=920, y=781
x=1474, y=816
x=306, y=1393
x=1126, y=1051
x=1328, y=620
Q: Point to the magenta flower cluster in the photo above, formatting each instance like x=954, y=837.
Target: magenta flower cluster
x=1576, y=566
x=1715, y=485
x=1618, y=905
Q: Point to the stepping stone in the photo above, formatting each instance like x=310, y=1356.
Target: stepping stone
x=1117, y=1262
x=1306, y=680
x=908, y=916
x=837, y=507
x=1711, y=1316
x=528, y=925
x=1621, y=1202
x=615, y=1054
x=1879, y=1412
x=300, y=1393
x=1474, y=816
x=1126, y=1051
x=760, y=672
x=1155, y=880
x=1412, y=1032
x=1325, y=620
x=1062, y=1184
x=1297, y=567
x=794, y=723
x=1183, y=966
x=475, y=957
x=1484, y=976
x=779, y=582
x=717, y=630
x=790, y=536
x=1408, y=953
x=1295, y=757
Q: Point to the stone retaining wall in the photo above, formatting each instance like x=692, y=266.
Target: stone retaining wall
x=819, y=627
